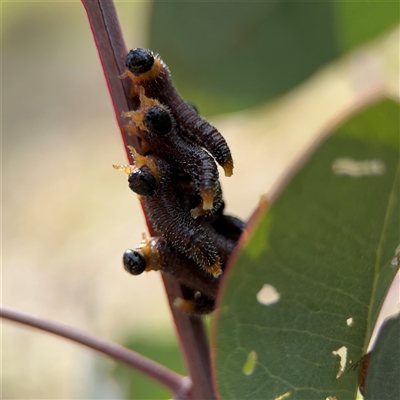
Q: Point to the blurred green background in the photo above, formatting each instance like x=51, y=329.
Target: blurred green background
x=244, y=53
x=270, y=76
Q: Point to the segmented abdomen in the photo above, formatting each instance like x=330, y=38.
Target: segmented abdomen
x=185, y=270
x=197, y=163
x=184, y=233
x=194, y=127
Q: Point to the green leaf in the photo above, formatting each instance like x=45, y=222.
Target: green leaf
x=226, y=56
x=360, y=21
x=310, y=281
x=230, y=55
x=384, y=368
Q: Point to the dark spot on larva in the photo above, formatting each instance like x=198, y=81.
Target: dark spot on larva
x=142, y=182
x=139, y=61
x=134, y=262
x=157, y=120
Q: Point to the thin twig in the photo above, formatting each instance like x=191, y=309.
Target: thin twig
x=112, y=51
x=194, y=344
x=179, y=385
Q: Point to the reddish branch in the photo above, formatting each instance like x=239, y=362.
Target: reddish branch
x=112, y=51
x=179, y=385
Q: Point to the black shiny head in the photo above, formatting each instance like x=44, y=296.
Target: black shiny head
x=142, y=182
x=157, y=120
x=139, y=61
x=134, y=262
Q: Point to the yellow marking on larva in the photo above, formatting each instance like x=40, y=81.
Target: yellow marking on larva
x=126, y=168
x=147, y=161
x=197, y=211
x=149, y=75
x=137, y=115
x=228, y=168
x=208, y=199
x=149, y=250
x=214, y=269
x=184, y=305
x=147, y=102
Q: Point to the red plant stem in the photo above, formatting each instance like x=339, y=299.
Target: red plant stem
x=194, y=343
x=112, y=51
x=179, y=385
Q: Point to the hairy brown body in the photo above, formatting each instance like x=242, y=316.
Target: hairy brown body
x=177, y=179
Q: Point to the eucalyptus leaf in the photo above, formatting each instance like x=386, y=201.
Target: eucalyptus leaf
x=304, y=291
x=383, y=374
x=230, y=55
x=226, y=56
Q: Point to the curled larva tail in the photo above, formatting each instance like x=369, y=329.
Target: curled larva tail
x=200, y=131
x=217, y=146
x=202, y=169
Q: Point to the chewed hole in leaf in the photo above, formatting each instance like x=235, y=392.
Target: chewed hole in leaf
x=354, y=168
x=349, y=321
x=331, y=398
x=396, y=259
x=268, y=295
x=342, y=353
x=283, y=396
x=250, y=364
